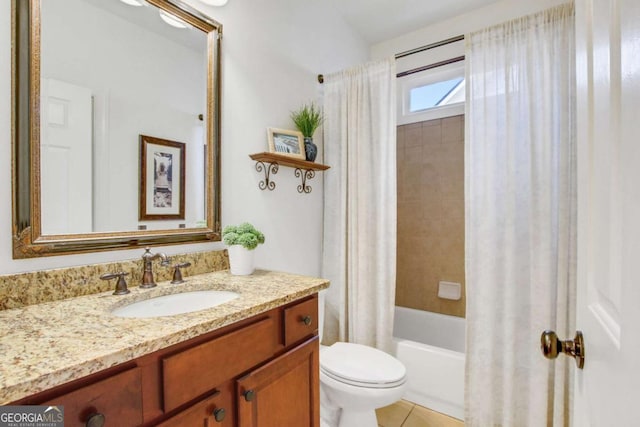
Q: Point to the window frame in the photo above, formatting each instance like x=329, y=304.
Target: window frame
x=423, y=78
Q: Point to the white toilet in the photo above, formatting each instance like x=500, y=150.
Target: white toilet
x=354, y=381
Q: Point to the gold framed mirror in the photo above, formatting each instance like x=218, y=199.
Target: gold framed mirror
x=91, y=80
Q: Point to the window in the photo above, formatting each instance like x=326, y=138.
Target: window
x=431, y=94
x=436, y=94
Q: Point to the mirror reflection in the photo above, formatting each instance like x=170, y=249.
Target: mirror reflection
x=111, y=72
x=116, y=130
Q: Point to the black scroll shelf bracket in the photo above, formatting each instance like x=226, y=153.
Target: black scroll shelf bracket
x=269, y=164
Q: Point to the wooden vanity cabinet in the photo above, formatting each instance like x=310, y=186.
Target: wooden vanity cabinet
x=260, y=372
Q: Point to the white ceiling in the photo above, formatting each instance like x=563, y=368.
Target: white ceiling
x=379, y=20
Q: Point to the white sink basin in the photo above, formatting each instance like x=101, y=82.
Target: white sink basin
x=168, y=305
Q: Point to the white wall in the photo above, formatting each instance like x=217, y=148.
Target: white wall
x=272, y=52
x=487, y=16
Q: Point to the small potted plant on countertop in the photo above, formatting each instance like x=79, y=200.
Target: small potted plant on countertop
x=242, y=240
x=307, y=119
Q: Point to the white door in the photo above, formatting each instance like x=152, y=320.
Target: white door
x=65, y=158
x=608, y=100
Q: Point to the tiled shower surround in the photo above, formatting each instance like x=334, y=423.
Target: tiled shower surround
x=430, y=213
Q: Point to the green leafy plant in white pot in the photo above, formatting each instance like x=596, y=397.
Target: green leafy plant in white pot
x=241, y=241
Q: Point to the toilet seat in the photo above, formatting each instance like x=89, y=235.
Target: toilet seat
x=362, y=366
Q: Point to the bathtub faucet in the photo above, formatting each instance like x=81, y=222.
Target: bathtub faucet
x=147, y=261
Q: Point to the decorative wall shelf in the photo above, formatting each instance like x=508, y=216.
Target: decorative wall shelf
x=303, y=169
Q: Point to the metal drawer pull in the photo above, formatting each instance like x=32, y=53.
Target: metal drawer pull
x=249, y=395
x=219, y=414
x=306, y=320
x=95, y=420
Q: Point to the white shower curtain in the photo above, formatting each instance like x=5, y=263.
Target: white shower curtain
x=359, y=252
x=520, y=219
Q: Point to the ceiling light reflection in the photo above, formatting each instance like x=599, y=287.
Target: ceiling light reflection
x=172, y=20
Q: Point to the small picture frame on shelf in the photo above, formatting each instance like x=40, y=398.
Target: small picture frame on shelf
x=286, y=142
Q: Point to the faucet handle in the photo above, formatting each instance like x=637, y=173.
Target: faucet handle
x=177, y=274
x=121, y=284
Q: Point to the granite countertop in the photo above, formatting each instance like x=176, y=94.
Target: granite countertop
x=45, y=345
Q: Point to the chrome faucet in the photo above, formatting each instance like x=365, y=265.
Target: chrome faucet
x=147, y=260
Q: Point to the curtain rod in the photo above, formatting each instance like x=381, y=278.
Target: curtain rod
x=430, y=66
x=429, y=46
x=418, y=50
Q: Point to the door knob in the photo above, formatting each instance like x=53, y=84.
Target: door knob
x=552, y=346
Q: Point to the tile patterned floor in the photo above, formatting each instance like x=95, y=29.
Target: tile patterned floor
x=407, y=414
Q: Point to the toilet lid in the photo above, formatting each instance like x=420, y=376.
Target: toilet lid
x=361, y=365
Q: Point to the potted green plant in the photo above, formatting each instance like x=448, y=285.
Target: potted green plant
x=307, y=119
x=241, y=241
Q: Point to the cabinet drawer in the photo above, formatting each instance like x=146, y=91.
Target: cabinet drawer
x=118, y=398
x=216, y=410
x=300, y=321
x=195, y=371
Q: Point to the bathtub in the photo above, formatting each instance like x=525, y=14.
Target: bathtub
x=431, y=346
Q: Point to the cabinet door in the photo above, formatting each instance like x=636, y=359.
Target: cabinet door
x=284, y=392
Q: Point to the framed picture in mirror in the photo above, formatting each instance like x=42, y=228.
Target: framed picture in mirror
x=162, y=172
x=286, y=142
